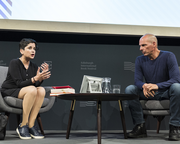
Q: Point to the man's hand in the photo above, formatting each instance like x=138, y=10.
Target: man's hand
x=149, y=89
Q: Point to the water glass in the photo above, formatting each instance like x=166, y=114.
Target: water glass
x=116, y=88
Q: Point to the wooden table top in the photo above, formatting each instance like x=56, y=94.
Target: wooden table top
x=97, y=96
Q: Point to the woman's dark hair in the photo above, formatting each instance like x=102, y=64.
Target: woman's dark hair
x=25, y=41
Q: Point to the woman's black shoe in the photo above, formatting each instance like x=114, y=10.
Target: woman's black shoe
x=138, y=131
x=23, y=132
x=34, y=133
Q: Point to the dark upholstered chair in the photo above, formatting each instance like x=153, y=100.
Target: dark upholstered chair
x=158, y=109
x=14, y=105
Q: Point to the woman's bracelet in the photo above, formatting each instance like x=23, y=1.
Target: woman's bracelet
x=34, y=79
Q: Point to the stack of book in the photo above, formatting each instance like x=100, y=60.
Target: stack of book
x=58, y=90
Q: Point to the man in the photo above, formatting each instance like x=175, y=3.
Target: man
x=160, y=71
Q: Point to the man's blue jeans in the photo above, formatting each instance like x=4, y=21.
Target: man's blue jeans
x=173, y=94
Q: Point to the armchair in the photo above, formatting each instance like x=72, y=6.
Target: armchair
x=14, y=105
x=158, y=109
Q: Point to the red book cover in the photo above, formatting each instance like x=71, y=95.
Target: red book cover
x=61, y=87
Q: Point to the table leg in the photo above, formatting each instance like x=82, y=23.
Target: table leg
x=70, y=118
x=99, y=121
x=122, y=119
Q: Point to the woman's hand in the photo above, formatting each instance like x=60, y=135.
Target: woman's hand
x=45, y=74
x=44, y=66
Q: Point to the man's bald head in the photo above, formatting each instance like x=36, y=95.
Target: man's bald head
x=150, y=38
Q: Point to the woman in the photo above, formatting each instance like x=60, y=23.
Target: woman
x=23, y=81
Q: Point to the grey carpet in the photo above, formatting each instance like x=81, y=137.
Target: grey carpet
x=89, y=137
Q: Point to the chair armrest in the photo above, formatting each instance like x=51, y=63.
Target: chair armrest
x=51, y=99
x=2, y=103
x=6, y=108
x=48, y=91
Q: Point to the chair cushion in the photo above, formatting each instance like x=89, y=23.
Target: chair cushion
x=155, y=104
x=17, y=103
x=156, y=112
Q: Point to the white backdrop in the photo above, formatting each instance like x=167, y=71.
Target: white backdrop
x=125, y=12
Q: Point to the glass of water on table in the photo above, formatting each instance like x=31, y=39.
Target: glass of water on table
x=116, y=88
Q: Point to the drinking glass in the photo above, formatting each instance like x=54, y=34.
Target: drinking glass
x=116, y=88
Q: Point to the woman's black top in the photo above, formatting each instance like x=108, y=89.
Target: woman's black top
x=18, y=77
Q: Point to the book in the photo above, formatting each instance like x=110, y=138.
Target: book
x=57, y=94
x=58, y=90
x=61, y=87
x=70, y=90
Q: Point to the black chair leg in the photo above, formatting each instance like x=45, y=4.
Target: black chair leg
x=159, y=118
x=40, y=123
x=18, y=119
x=7, y=113
x=145, y=117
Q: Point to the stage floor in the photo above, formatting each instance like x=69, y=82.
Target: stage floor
x=90, y=137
